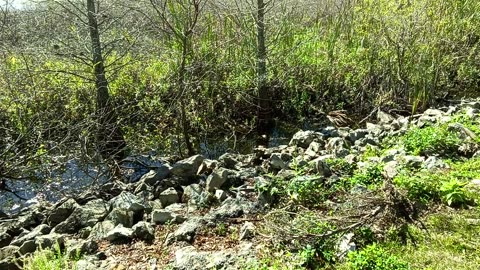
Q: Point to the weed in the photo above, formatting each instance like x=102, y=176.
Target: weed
x=374, y=257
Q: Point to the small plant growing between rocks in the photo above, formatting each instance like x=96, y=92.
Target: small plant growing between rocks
x=374, y=257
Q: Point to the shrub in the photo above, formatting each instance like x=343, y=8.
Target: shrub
x=431, y=140
x=374, y=257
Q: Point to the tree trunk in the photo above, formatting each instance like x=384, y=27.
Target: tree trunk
x=181, y=83
x=263, y=109
x=110, y=140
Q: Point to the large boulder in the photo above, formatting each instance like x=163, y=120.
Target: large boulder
x=187, y=168
x=305, y=138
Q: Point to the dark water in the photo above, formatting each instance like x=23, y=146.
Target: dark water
x=213, y=148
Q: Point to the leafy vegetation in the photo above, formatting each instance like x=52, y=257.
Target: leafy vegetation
x=50, y=259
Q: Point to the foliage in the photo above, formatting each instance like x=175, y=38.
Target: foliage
x=431, y=140
x=50, y=259
x=374, y=257
x=369, y=176
x=448, y=186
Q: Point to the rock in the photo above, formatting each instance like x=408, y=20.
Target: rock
x=216, y=179
x=9, y=252
x=414, y=161
x=144, y=231
x=119, y=234
x=276, y=162
x=247, y=231
x=160, y=216
x=90, y=213
x=84, y=233
x=434, y=163
x=384, y=118
x=168, y=197
x=39, y=230
x=207, y=166
x=187, y=168
x=220, y=195
x=186, y=232
x=321, y=166
x=345, y=246
x=5, y=239
x=433, y=112
x=329, y=132
x=357, y=135
x=50, y=240
x=10, y=264
x=188, y=258
x=28, y=247
x=314, y=149
x=195, y=195
x=231, y=208
x=128, y=201
x=463, y=132
x=121, y=216
x=390, y=169
x=101, y=229
x=87, y=264
x=229, y=161
x=79, y=248
x=391, y=155
x=472, y=104
x=157, y=175
x=337, y=147
x=62, y=212
x=304, y=138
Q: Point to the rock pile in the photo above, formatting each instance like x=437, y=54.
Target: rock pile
x=196, y=192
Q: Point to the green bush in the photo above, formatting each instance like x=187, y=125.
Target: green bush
x=374, y=257
x=369, y=176
x=431, y=140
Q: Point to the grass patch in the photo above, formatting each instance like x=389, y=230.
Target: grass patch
x=50, y=259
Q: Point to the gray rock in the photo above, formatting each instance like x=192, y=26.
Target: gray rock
x=229, y=161
x=50, y=240
x=247, y=231
x=304, y=138
x=188, y=258
x=119, y=233
x=433, y=112
x=414, y=161
x=100, y=230
x=337, y=147
x=128, y=201
x=89, y=263
x=79, y=248
x=144, y=231
x=187, y=168
x=231, y=208
x=392, y=155
x=276, y=162
x=472, y=104
x=384, y=118
x=195, y=195
x=168, y=197
x=121, y=216
x=84, y=233
x=10, y=264
x=345, y=246
x=216, y=179
x=62, y=212
x=28, y=247
x=390, y=169
x=357, y=135
x=329, y=132
x=434, y=163
x=186, y=232
x=314, y=149
x=463, y=132
x=9, y=252
x=321, y=167
x=89, y=214
x=5, y=239
x=160, y=216
x=39, y=230
x=157, y=175
x=207, y=166
x=220, y=195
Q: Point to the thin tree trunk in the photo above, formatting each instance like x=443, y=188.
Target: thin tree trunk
x=110, y=140
x=181, y=83
x=263, y=104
